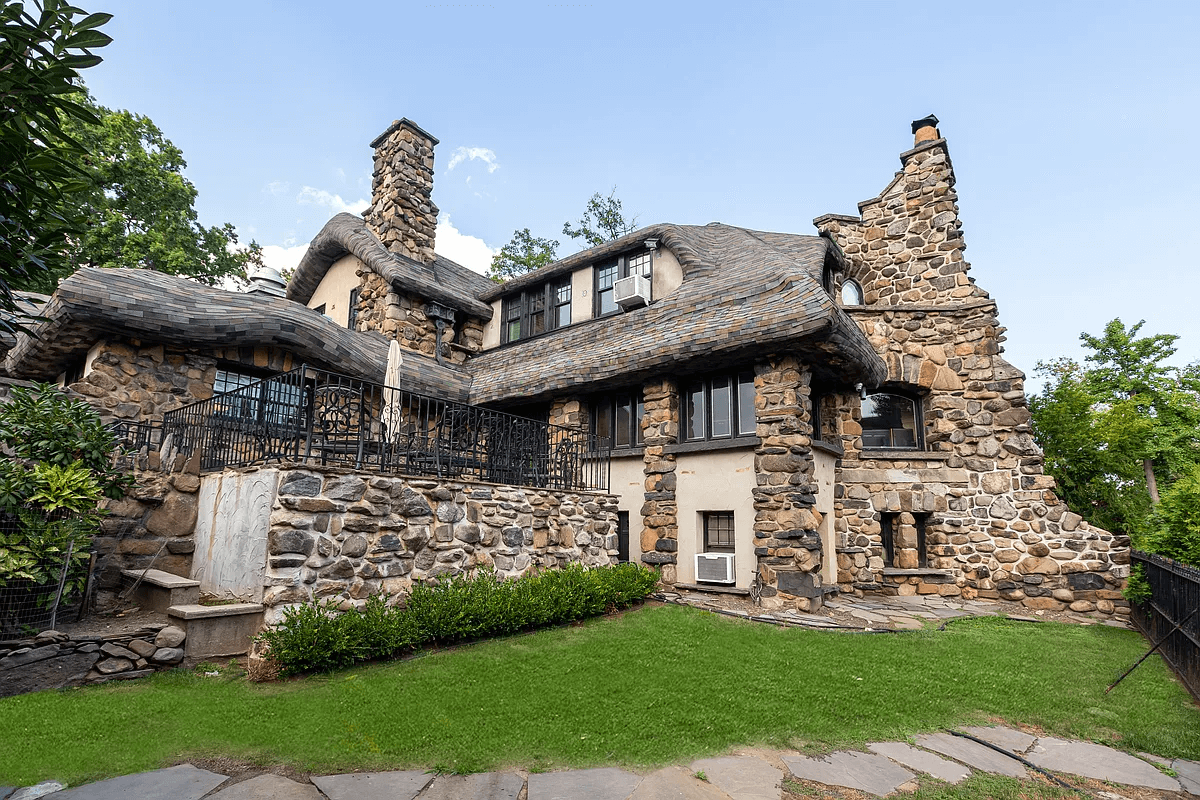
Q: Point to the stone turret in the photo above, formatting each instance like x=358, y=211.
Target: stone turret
x=402, y=213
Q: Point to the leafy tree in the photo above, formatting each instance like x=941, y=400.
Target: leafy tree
x=42, y=49
x=1119, y=425
x=602, y=221
x=140, y=207
x=524, y=253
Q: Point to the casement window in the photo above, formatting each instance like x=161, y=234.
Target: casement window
x=891, y=421
x=617, y=420
x=608, y=273
x=720, y=407
x=718, y=532
x=352, y=308
x=248, y=397
x=535, y=310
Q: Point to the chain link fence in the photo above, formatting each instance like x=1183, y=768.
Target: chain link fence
x=37, y=594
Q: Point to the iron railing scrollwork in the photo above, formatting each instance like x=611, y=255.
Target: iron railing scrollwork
x=314, y=416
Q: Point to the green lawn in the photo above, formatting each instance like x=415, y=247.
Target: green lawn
x=655, y=685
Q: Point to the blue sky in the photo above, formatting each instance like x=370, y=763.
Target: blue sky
x=1072, y=126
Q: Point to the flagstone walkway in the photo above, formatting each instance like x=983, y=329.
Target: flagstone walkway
x=753, y=775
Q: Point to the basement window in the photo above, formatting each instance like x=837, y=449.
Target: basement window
x=718, y=532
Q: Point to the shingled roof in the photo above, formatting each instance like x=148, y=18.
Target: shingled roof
x=443, y=281
x=744, y=294
x=135, y=303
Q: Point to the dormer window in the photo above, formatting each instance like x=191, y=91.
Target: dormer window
x=540, y=308
x=852, y=293
x=608, y=273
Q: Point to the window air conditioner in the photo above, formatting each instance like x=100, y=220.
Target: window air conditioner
x=714, y=568
x=632, y=292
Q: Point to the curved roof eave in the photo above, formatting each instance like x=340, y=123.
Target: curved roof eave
x=347, y=234
x=141, y=304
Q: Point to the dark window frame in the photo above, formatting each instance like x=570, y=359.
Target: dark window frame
x=719, y=525
x=704, y=385
x=352, y=308
x=622, y=265
x=857, y=288
x=535, y=310
x=888, y=521
x=918, y=429
x=607, y=405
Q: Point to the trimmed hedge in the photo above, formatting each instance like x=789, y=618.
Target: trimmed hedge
x=315, y=637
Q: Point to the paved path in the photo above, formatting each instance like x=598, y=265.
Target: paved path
x=757, y=775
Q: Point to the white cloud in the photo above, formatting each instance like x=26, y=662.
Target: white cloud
x=470, y=251
x=283, y=259
x=319, y=197
x=472, y=153
x=278, y=187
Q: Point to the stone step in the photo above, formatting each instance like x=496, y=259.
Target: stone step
x=216, y=631
x=158, y=590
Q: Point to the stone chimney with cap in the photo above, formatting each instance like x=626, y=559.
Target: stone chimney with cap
x=402, y=213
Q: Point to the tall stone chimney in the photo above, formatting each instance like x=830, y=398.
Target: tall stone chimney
x=402, y=213
x=925, y=130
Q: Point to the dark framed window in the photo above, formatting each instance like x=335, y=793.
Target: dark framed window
x=852, y=293
x=608, y=273
x=622, y=536
x=718, y=532
x=891, y=421
x=352, y=308
x=720, y=407
x=536, y=310
x=320, y=309
x=75, y=370
x=891, y=538
x=251, y=397
x=617, y=419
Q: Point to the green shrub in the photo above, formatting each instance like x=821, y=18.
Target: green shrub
x=314, y=637
x=1177, y=521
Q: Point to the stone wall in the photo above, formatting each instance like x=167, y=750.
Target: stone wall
x=403, y=317
x=402, y=213
x=153, y=526
x=54, y=660
x=660, y=512
x=994, y=526
x=346, y=536
x=132, y=382
x=787, y=542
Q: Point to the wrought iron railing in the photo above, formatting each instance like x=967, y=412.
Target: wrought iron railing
x=309, y=415
x=1170, y=613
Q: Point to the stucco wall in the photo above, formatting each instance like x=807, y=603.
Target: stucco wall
x=717, y=480
x=627, y=483
x=334, y=289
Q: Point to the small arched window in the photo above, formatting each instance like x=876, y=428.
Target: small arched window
x=891, y=421
x=852, y=293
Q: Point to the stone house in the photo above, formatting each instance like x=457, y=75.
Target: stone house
x=786, y=414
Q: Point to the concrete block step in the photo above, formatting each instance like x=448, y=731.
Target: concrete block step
x=158, y=590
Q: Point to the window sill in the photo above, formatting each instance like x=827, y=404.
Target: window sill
x=712, y=444
x=626, y=452
x=895, y=572
x=903, y=455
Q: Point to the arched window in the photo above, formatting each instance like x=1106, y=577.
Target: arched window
x=891, y=421
x=852, y=293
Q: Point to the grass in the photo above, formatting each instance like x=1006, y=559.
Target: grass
x=653, y=686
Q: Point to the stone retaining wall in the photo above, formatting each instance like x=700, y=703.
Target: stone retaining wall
x=53, y=660
x=346, y=536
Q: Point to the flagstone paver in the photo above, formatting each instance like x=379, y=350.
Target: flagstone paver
x=483, y=786
x=182, y=782
x=866, y=772
x=1099, y=762
x=1001, y=736
x=39, y=790
x=1188, y=773
x=675, y=783
x=741, y=777
x=607, y=783
x=5, y=791
x=972, y=754
x=268, y=787
x=403, y=785
x=911, y=757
